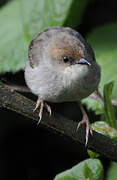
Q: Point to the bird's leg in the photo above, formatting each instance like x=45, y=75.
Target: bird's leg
x=85, y=120
x=41, y=104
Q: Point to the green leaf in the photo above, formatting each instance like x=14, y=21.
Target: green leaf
x=104, y=42
x=21, y=20
x=90, y=169
x=93, y=154
x=66, y=178
x=87, y=172
x=104, y=128
x=109, y=113
x=38, y=15
x=13, y=45
x=112, y=172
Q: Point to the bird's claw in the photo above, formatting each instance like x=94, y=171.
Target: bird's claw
x=48, y=108
x=88, y=128
x=41, y=104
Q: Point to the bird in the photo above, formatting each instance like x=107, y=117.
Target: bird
x=61, y=67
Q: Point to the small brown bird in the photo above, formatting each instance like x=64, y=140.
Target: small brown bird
x=61, y=67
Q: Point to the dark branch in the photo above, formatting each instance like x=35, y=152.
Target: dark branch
x=15, y=87
x=58, y=124
x=98, y=97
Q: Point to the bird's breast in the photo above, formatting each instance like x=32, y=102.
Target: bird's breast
x=80, y=81
x=73, y=84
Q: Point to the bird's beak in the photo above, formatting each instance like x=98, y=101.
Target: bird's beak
x=83, y=61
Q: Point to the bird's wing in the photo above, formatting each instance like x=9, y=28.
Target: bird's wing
x=35, y=51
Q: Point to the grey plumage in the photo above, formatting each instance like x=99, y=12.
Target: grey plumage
x=49, y=77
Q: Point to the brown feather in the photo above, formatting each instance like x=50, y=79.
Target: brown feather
x=60, y=47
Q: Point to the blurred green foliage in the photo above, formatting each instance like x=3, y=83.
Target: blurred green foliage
x=112, y=171
x=13, y=46
x=3, y=2
x=104, y=42
x=105, y=129
x=22, y=20
x=90, y=169
x=109, y=111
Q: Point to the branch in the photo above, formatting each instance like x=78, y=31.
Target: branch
x=98, y=97
x=57, y=123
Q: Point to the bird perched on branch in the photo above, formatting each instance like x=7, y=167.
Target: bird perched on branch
x=61, y=67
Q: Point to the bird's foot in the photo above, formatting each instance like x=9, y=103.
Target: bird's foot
x=41, y=105
x=85, y=121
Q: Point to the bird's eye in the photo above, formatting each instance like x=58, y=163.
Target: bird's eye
x=65, y=59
